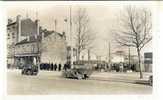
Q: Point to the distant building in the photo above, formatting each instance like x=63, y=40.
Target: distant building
x=118, y=56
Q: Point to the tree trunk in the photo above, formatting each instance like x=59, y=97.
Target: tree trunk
x=139, y=64
x=78, y=55
x=88, y=55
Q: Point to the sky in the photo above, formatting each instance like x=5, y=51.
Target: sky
x=103, y=19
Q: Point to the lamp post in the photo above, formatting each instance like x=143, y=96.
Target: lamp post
x=71, y=40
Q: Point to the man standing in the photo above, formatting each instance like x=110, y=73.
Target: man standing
x=59, y=67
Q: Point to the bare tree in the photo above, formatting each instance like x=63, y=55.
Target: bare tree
x=135, y=30
x=83, y=33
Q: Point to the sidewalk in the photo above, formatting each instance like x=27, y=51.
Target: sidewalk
x=132, y=77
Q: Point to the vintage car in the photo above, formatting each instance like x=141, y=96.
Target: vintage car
x=78, y=72
x=30, y=69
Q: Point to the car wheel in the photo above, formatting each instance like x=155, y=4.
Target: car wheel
x=66, y=75
x=28, y=72
x=85, y=76
x=79, y=77
x=36, y=73
x=22, y=73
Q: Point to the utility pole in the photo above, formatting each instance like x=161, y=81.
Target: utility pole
x=27, y=16
x=71, y=40
x=38, y=42
x=109, y=60
x=129, y=56
x=109, y=52
x=89, y=57
x=55, y=22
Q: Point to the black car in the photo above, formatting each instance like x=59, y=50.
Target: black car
x=78, y=72
x=30, y=69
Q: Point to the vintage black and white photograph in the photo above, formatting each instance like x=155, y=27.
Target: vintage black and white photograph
x=79, y=49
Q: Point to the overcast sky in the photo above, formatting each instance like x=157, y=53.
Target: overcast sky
x=103, y=19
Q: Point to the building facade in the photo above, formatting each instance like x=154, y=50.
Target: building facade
x=53, y=48
x=27, y=42
x=26, y=51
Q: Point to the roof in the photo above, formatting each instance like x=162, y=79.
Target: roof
x=33, y=39
x=11, y=24
x=47, y=33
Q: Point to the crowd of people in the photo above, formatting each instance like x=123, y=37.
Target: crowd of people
x=54, y=67
x=118, y=67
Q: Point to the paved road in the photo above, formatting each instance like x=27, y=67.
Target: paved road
x=52, y=83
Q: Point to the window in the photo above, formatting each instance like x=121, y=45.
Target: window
x=8, y=36
x=13, y=27
x=13, y=35
x=8, y=28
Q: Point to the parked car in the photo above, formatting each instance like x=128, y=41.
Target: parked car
x=78, y=72
x=150, y=80
x=30, y=69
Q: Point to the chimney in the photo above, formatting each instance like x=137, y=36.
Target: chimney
x=18, y=20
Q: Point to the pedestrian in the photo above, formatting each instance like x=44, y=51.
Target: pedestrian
x=51, y=66
x=65, y=67
x=59, y=67
x=55, y=67
x=48, y=66
x=69, y=66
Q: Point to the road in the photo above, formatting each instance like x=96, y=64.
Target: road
x=51, y=83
